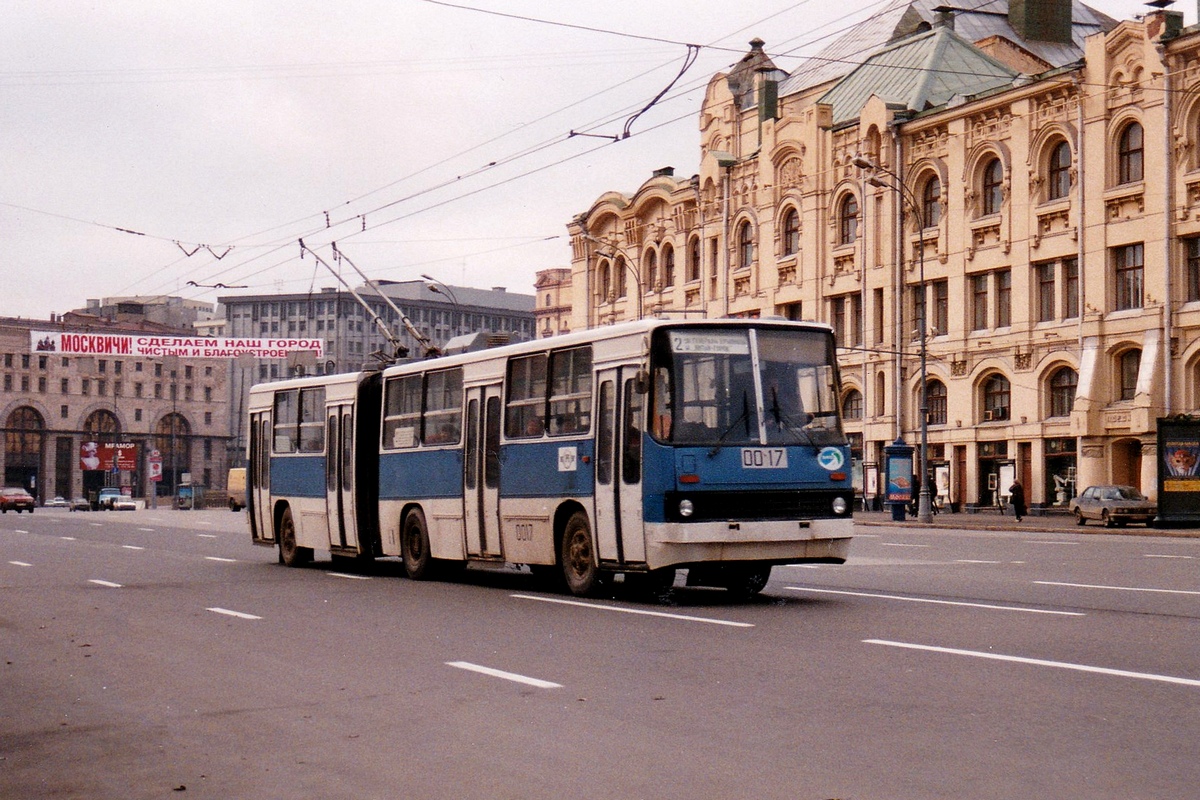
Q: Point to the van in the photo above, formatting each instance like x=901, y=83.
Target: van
x=237, y=488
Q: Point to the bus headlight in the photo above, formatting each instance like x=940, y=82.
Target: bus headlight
x=839, y=505
x=686, y=508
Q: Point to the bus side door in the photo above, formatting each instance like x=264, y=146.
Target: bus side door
x=481, y=472
x=258, y=477
x=618, y=517
x=339, y=477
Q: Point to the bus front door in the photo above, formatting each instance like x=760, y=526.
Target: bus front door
x=339, y=477
x=258, y=477
x=618, y=516
x=481, y=472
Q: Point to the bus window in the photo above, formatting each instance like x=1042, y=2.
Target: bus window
x=471, y=458
x=286, y=435
x=443, y=407
x=525, y=412
x=570, y=391
x=491, y=444
x=661, y=401
x=604, y=435
x=312, y=420
x=631, y=435
x=402, y=412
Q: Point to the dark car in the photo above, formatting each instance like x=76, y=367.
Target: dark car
x=17, y=499
x=1113, y=505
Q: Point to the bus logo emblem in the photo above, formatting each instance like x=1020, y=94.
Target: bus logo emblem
x=831, y=458
x=567, y=459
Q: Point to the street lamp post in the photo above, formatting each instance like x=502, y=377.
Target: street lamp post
x=438, y=287
x=629, y=262
x=924, y=507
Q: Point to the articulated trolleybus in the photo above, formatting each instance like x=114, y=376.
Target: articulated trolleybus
x=637, y=449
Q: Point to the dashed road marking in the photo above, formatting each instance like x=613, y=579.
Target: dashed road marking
x=930, y=600
x=642, y=612
x=228, y=613
x=508, y=676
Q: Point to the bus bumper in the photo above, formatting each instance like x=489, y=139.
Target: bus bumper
x=779, y=542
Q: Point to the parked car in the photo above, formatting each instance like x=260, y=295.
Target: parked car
x=236, y=488
x=17, y=499
x=57, y=502
x=106, y=498
x=1113, y=505
x=81, y=504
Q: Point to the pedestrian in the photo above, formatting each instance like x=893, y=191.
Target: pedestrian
x=1016, y=496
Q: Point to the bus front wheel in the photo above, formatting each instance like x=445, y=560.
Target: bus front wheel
x=414, y=545
x=291, y=554
x=579, y=569
x=743, y=582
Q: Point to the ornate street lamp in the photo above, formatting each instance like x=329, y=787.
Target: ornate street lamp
x=924, y=507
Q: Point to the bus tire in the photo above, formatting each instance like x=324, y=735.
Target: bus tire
x=576, y=556
x=744, y=582
x=291, y=554
x=414, y=546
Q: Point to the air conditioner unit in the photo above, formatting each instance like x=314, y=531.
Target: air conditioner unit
x=988, y=415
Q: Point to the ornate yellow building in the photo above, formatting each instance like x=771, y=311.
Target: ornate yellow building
x=1030, y=181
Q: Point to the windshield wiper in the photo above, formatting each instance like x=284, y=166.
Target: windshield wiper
x=784, y=422
x=743, y=417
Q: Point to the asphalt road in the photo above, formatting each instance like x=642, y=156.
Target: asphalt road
x=159, y=654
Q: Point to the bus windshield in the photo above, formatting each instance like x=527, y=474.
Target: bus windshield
x=748, y=386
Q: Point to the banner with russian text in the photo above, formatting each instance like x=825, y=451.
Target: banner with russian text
x=107, y=344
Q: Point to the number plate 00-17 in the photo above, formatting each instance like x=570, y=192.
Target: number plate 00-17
x=764, y=458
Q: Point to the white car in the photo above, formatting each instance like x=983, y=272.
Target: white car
x=124, y=503
x=58, y=502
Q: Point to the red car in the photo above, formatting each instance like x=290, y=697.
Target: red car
x=17, y=499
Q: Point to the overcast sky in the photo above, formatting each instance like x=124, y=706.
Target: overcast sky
x=149, y=144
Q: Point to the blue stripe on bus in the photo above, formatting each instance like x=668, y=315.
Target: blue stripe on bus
x=298, y=476
x=547, y=468
x=420, y=474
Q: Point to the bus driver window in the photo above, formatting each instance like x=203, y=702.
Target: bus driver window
x=661, y=420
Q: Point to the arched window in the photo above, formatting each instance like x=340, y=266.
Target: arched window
x=848, y=220
x=791, y=232
x=619, y=276
x=693, y=256
x=931, y=202
x=745, y=240
x=1060, y=172
x=1063, y=384
x=996, y=394
x=852, y=405
x=23, y=439
x=1129, y=154
x=936, y=393
x=172, y=438
x=101, y=423
x=650, y=271
x=1127, y=365
x=993, y=187
x=668, y=257
x=604, y=281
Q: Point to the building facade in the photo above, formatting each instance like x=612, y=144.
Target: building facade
x=57, y=410
x=553, y=290
x=1024, y=189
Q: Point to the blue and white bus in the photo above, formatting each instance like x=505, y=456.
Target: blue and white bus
x=638, y=449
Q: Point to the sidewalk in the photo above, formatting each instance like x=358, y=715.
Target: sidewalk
x=1054, y=522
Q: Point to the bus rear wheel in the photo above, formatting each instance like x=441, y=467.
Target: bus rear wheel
x=414, y=546
x=579, y=570
x=291, y=554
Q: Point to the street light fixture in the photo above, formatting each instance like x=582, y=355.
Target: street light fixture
x=436, y=286
x=924, y=507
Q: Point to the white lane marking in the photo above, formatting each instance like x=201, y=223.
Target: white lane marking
x=132, y=547
x=508, y=676
x=148, y=530
x=1156, y=555
x=218, y=558
x=939, y=602
x=20, y=564
x=1046, y=541
x=109, y=584
x=96, y=524
x=228, y=613
x=68, y=538
x=202, y=522
x=976, y=561
x=18, y=530
x=899, y=544
x=1117, y=588
x=205, y=536
x=1040, y=662
x=665, y=615
x=348, y=576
